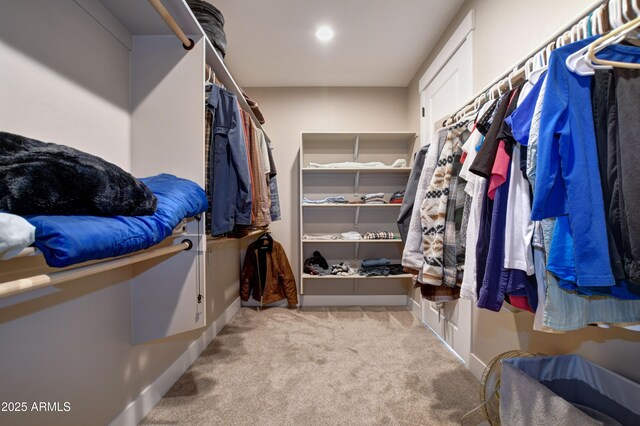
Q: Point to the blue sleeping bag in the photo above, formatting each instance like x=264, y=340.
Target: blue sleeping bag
x=66, y=240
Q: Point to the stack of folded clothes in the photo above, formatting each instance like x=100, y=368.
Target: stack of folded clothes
x=334, y=199
x=378, y=267
x=379, y=235
x=396, y=269
x=374, y=198
x=351, y=235
x=397, y=197
x=319, y=236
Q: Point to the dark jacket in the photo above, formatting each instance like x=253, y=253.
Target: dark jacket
x=266, y=273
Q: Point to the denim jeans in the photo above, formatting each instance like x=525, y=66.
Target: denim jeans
x=230, y=182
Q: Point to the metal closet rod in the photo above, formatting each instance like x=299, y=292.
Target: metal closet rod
x=22, y=285
x=517, y=74
x=187, y=43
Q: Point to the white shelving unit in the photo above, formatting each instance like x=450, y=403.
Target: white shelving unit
x=352, y=183
x=148, y=94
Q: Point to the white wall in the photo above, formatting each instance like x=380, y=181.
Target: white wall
x=289, y=111
x=505, y=32
x=72, y=342
x=58, y=87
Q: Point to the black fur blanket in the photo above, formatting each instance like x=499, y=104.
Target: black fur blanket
x=45, y=178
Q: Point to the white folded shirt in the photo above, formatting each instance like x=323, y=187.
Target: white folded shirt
x=15, y=234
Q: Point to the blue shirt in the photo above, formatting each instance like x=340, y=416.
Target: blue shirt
x=568, y=181
x=520, y=119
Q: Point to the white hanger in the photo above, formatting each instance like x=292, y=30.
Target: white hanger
x=584, y=26
x=528, y=68
x=613, y=37
x=615, y=13
x=625, y=11
x=635, y=5
x=510, y=77
x=541, y=62
x=593, y=23
x=579, y=62
x=600, y=19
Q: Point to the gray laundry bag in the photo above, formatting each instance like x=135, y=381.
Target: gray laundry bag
x=565, y=390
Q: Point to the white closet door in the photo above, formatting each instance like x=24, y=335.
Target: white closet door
x=443, y=96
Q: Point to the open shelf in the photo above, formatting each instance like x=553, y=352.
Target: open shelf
x=383, y=170
x=351, y=205
x=352, y=183
x=353, y=277
x=396, y=241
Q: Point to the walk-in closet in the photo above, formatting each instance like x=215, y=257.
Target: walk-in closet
x=281, y=212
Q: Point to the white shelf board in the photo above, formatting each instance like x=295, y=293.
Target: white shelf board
x=399, y=170
x=353, y=277
x=390, y=136
x=140, y=18
x=224, y=76
x=352, y=205
x=352, y=241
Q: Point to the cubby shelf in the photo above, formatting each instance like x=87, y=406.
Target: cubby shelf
x=353, y=182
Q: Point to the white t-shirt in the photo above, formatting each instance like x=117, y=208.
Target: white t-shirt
x=519, y=227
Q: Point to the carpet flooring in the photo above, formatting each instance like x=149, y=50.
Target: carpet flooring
x=321, y=366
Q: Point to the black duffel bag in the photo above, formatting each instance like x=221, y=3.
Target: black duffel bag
x=212, y=23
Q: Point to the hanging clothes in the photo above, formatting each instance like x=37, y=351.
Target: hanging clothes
x=404, y=218
x=412, y=255
x=266, y=275
x=228, y=183
x=572, y=94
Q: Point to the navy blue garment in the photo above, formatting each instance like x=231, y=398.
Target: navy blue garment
x=230, y=181
x=369, y=263
x=484, y=236
x=66, y=240
x=497, y=280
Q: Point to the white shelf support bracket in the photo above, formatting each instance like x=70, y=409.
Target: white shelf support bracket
x=356, y=249
x=355, y=222
x=357, y=183
x=356, y=148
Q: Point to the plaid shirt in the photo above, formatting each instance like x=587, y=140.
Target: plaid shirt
x=380, y=235
x=453, y=250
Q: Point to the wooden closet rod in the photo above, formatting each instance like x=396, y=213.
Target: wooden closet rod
x=10, y=288
x=516, y=74
x=187, y=43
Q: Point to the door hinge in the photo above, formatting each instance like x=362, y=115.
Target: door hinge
x=423, y=111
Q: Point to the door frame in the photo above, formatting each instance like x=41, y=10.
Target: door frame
x=450, y=48
x=463, y=33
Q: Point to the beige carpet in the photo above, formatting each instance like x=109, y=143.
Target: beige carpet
x=321, y=366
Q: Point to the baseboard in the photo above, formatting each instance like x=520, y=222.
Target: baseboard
x=353, y=300
x=148, y=398
x=476, y=366
x=415, y=308
x=251, y=303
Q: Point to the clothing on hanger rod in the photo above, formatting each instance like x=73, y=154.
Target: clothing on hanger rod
x=607, y=17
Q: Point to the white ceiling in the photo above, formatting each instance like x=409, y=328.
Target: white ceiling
x=377, y=42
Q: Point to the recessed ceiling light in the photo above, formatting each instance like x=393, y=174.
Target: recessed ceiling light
x=324, y=33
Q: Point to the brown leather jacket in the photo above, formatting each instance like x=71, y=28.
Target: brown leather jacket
x=279, y=282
